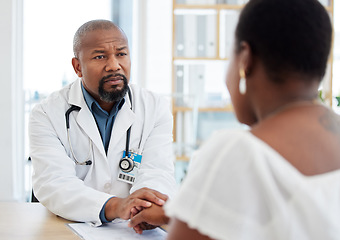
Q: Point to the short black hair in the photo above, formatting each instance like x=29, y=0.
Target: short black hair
x=288, y=36
x=91, y=26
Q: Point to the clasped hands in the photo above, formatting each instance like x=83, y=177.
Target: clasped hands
x=143, y=208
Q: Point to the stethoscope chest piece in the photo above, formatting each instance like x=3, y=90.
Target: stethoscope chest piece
x=126, y=164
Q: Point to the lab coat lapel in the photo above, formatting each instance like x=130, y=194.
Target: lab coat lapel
x=87, y=122
x=123, y=121
x=85, y=118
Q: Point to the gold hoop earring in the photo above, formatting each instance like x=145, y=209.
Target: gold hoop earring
x=242, y=84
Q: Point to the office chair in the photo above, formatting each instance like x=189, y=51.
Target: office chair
x=33, y=198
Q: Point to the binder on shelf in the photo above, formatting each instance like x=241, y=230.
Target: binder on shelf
x=186, y=86
x=179, y=134
x=198, y=2
x=201, y=35
x=190, y=40
x=190, y=2
x=189, y=133
x=197, y=83
x=241, y=2
x=211, y=35
x=189, y=85
x=179, y=36
x=211, y=2
x=232, y=2
x=180, y=1
x=179, y=85
x=229, y=26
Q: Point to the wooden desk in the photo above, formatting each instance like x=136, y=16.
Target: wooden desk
x=32, y=221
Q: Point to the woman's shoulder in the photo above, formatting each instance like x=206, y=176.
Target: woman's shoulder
x=231, y=140
x=228, y=136
x=226, y=148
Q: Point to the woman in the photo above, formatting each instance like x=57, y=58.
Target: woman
x=280, y=179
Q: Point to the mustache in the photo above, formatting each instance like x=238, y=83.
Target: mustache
x=113, y=75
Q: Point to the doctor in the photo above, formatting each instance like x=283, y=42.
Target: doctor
x=101, y=147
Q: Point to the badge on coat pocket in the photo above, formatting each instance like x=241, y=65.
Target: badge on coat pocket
x=129, y=166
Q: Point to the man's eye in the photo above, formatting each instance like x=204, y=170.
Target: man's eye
x=99, y=57
x=121, y=54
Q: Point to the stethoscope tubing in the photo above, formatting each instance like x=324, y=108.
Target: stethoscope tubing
x=88, y=161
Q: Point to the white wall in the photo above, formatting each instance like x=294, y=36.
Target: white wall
x=11, y=102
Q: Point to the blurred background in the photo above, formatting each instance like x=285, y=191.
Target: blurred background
x=179, y=49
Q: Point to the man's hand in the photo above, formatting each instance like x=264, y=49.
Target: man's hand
x=142, y=198
x=147, y=218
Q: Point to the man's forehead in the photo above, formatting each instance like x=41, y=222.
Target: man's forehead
x=104, y=37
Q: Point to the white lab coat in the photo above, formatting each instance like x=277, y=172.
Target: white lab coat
x=78, y=192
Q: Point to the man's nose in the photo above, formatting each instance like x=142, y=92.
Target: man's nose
x=112, y=64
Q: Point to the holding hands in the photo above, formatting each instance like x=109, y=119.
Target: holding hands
x=144, y=207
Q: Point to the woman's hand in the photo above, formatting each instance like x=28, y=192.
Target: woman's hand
x=147, y=218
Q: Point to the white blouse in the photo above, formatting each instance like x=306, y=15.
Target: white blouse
x=239, y=188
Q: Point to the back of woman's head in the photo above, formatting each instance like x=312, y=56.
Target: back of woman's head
x=288, y=36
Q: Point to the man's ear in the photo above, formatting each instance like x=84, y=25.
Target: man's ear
x=77, y=67
x=246, y=58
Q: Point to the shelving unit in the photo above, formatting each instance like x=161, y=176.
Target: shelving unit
x=202, y=42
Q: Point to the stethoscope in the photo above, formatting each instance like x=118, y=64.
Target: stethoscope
x=126, y=164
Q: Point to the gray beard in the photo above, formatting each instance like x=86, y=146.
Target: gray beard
x=112, y=96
